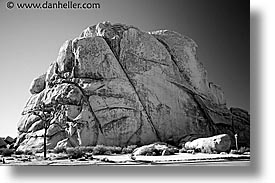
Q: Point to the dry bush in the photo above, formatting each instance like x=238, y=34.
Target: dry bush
x=106, y=150
x=128, y=149
x=75, y=153
x=242, y=150
x=87, y=149
x=58, y=150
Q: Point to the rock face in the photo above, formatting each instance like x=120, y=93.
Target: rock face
x=118, y=85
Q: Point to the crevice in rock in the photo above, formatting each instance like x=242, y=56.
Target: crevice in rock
x=148, y=60
x=187, y=89
x=174, y=60
x=198, y=101
x=113, y=95
x=195, y=95
x=197, y=98
x=116, y=96
x=137, y=131
x=134, y=88
x=117, y=107
x=115, y=121
x=203, y=108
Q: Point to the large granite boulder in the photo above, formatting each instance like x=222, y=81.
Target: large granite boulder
x=217, y=143
x=118, y=85
x=38, y=84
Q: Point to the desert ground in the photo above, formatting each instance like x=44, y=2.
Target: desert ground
x=178, y=159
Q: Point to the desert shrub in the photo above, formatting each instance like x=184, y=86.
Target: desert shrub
x=115, y=150
x=182, y=150
x=87, y=149
x=247, y=149
x=128, y=149
x=170, y=151
x=58, y=150
x=6, y=152
x=234, y=151
x=106, y=150
x=75, y=153
x=242, y=150
x=98, y=150
x=173, y=150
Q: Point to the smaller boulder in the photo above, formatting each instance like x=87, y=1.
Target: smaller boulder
x=9, y=140
x=156, y=149
x=218, y=143
x=3, y=144
x=38, y=84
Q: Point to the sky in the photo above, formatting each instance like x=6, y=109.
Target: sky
x=31, y=38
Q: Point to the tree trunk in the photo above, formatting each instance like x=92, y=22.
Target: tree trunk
x=45, y=148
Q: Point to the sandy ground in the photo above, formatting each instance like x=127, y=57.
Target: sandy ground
x=180, y=159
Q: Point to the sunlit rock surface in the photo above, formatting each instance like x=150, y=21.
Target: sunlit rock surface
x=118, y=85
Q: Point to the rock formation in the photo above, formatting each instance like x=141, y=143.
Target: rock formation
x=118, y=85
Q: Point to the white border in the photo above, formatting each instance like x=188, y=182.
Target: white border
x=262, y=170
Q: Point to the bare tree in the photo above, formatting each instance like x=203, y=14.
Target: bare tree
x=46, y=113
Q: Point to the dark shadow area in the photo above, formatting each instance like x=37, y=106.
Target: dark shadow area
x=256, y=103
x=254, y=170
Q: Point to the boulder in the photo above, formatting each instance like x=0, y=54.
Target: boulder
x=65, y=57
x=217, y=143
x=156, y=149
x=3, y=144
x=121, y=86
x=38, y=84
x=9, y=140
x=63, y=93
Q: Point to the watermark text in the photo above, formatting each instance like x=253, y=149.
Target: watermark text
x=54, y=5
